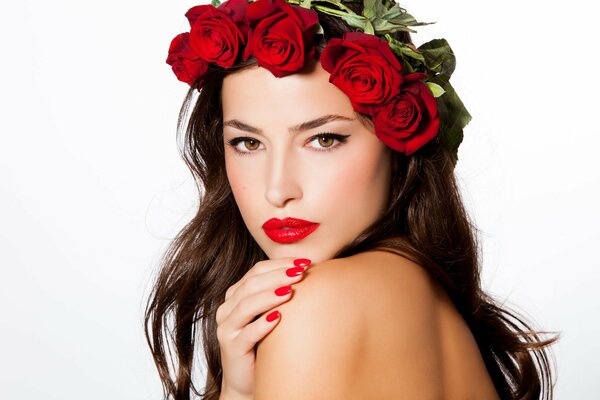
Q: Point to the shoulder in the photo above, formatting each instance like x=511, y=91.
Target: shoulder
x=357, y=327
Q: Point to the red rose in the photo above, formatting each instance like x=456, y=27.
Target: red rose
x=185, y=63
x=280, y=34
x=365, y=68
x=218, y=33
x=410, y=119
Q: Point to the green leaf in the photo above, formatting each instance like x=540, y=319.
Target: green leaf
x=453, y=114
x=453, y=141
x=439, y=57
x=407, y=68
x=355, y=21
x=407, y=51
x=436, y=89
x=369, y=9
x=408, y=20
x=380, y=9
x=305, y=4
x=339, y=4
x=334, y=12
x=403, y=50
x=383, y=26
x=215, y=3
x=392, y=13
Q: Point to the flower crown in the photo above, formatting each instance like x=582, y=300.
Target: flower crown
x=406, y=90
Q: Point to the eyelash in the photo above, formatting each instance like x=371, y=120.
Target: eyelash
x=340, y=138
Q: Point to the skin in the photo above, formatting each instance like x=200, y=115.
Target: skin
x=282, y=175
x=388, y=311
x=371, y=326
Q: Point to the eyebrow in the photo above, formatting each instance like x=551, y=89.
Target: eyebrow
x=234, y=123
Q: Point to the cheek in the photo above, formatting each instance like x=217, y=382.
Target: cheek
x=359, y=180
x=238, y=181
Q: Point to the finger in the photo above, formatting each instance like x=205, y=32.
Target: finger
x=256, y=331
x=246, y=309
x=264, y=266
x=271, y=279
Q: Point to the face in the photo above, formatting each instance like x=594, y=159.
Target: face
x=334, y=172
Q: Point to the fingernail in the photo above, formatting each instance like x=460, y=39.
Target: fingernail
x=294, y=271
x=282, y=291
x=273, y=316
x=302, y=262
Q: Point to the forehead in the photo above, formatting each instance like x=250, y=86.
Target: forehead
x=255, y=94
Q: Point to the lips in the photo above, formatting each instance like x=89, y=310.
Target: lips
x=288, y=230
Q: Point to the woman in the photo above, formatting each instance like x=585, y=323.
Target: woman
x=316, y=170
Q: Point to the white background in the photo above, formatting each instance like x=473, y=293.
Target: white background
x=92, y=188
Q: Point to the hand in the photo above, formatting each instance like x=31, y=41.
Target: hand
x=239, y=325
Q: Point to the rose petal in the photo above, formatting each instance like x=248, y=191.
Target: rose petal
x=184, y=62
x=280, y=35
x=408, y=136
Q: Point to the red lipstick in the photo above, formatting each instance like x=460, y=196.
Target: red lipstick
x=288, y=230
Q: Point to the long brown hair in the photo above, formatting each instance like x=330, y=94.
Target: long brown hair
x=425, y=220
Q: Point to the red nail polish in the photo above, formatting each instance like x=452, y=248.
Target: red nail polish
x=282, y=291
x=302, y=262
x=273, y=316
x=294, y=271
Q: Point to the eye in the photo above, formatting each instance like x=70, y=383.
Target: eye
x=250, y=144
x=326, y=140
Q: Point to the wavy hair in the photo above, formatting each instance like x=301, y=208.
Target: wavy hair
x=425, y=221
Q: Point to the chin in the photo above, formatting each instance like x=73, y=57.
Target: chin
x=313, y=252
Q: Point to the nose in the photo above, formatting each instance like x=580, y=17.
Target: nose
x=282, y=180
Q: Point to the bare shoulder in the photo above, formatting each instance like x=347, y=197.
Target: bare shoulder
x=358, y=327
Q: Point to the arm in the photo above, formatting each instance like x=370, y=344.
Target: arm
x=359, y=327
